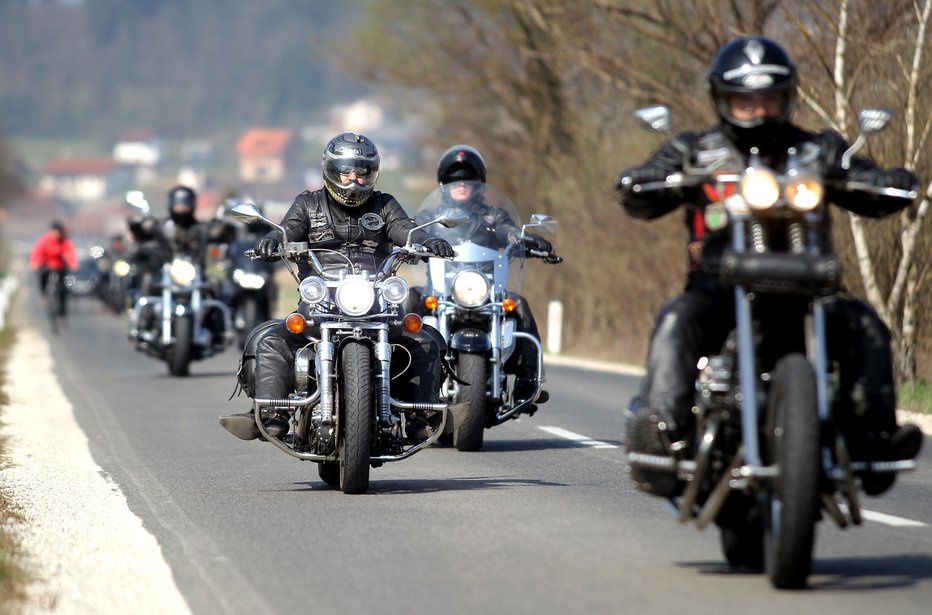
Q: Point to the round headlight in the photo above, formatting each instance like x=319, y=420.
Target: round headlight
x=121, y=268
x=760, y=188
x=470, y=288
x=355, y=296
x=253, y=281
x=395, y=290
x=312, y=290
x=805, y=193
x=182, y=272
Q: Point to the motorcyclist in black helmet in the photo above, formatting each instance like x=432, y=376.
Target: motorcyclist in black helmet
x=461, y=172
x=353, y=220
x=752, y=84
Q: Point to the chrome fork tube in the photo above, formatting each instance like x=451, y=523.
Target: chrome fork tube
x=747, y=371
x=496, y=360
x=323, y=361
x=383, y=353
x=167, y=309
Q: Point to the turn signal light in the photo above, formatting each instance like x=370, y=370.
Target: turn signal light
x=431, y=302
x=412, y=323
x=509, y=304
x=295, y=322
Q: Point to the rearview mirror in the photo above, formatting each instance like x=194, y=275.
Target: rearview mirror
x=452, y=218
x=244, y=212
x=544, y=222
x=138, y=200
x=655, y=117
x=870, y=120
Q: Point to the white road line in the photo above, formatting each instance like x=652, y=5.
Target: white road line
x=867, y=514
x=886, y=519
x=575, y=437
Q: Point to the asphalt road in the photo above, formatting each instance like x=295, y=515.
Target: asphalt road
x=543, y=520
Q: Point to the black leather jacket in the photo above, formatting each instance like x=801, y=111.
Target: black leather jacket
x=712, y=146
x=365, y=234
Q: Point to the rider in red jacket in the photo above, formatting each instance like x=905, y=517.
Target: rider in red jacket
x=53, y=250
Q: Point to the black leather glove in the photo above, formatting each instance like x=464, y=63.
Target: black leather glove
x=538, y=243
x=439, y=247
x=640, y=175
x=898, y=177
x=267, y=248
x=833, y=145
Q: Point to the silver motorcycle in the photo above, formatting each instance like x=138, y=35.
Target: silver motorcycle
x=342, y=414
x=469, y=299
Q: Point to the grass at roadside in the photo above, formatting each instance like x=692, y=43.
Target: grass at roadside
x=12, y=576
x=916, y=396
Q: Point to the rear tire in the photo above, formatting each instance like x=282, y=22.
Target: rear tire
x=471, y=368
x=357, y=413
x=179, y=356
x=791, y=502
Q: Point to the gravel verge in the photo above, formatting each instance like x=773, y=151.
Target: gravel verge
x=85, y=550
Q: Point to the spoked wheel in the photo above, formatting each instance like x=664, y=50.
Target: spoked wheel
x=356, y=415
x=791, y=502
x=473, y=369
x=329, y=472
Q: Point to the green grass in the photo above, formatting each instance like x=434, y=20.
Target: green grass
x=915, y=395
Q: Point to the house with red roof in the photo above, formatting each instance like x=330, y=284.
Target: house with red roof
x=264, y=154
x=139, y=147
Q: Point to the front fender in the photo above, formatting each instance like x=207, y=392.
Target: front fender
x=471, y=340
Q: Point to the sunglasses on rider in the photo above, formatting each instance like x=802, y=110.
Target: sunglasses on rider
x=346, y=170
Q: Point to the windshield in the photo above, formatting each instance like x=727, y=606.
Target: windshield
x=485, y=243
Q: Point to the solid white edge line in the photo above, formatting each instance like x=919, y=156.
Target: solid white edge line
x=886, y=519
x=575, y=437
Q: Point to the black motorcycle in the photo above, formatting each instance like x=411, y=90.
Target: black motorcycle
x=769, y=457
x=249, y=289
x=179, y=321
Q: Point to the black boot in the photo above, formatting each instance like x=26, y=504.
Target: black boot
x=524, y=389
x=653, y=433
x=904, y=444
x=244, y=427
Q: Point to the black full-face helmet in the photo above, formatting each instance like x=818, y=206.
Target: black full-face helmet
x=461, y=163
x=182, y=201
x=347, y=154
x=752, y=64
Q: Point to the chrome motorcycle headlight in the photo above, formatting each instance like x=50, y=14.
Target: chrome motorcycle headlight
x=355, y=296
x=760, y=188
x=121, y=268
x=805, y=193
x=470, y=288
x=395, y=290
x=182, y=272
x=252, y=281
x=312, y=290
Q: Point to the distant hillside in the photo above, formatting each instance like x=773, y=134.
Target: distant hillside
x=95, y=67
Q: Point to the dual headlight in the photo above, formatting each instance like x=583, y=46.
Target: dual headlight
x=760, y=188
x=471, y=289
x=182, y=272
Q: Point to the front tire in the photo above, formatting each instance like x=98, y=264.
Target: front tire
x=792, y=501
x=471, y=368
x=356, y=414
x=179, y=356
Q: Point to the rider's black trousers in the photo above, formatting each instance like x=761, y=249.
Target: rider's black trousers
x=415, y=365
x=697, y=322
